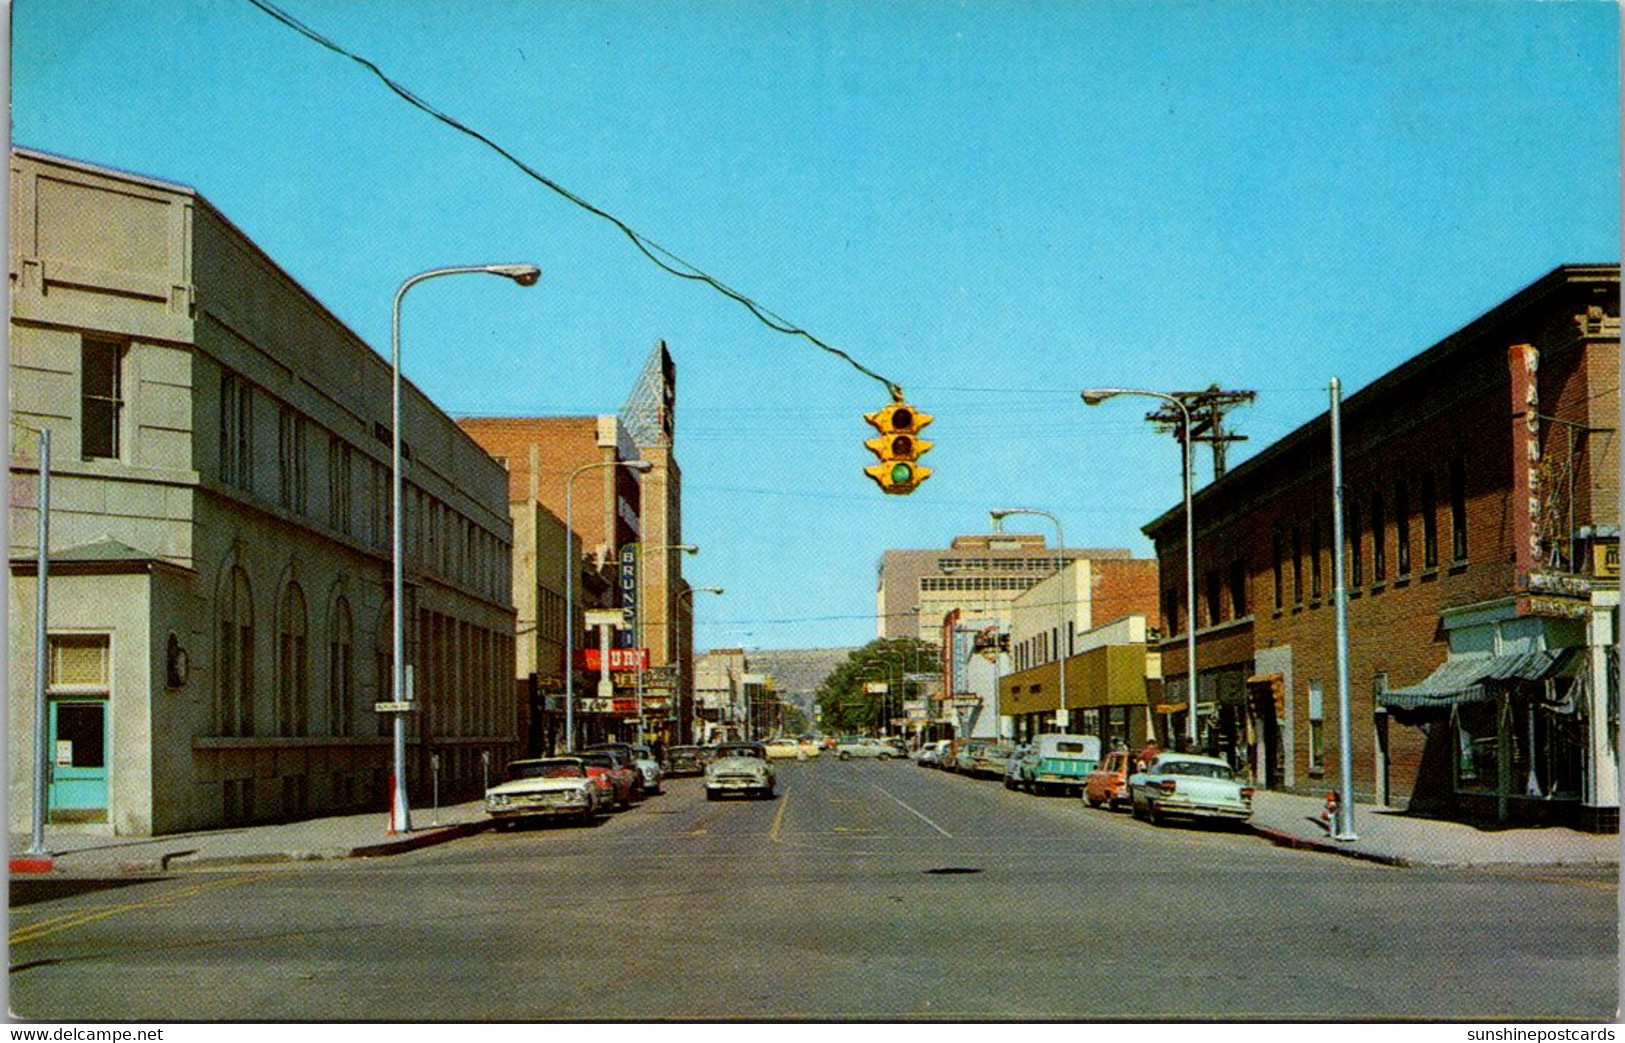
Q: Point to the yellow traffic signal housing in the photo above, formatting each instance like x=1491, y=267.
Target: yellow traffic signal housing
x=899, y=448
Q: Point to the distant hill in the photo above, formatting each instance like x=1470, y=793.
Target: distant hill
x=797, y=672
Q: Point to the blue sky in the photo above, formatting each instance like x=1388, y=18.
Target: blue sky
x=993, y=204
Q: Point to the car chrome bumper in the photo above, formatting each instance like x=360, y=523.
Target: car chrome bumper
x=1196, y=810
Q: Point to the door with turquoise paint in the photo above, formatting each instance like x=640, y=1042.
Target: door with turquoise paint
x=78, y=760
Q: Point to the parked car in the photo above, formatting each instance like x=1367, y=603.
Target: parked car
x=1108, y=783
x=948, y=759
x=811, y=747
x=685, y=760
x=642, y=758
x=1054, y=761
x=991, y=760
x=847, y=749
x=543, y=788
x=1188, y=785
x=618, y=782
x=965, y=755
x=739, y=767
x=930, y=755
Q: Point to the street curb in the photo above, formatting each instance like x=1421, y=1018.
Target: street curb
x=427, y=838
x=1283, y=839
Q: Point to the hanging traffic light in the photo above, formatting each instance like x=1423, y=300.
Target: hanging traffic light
x=898, y=447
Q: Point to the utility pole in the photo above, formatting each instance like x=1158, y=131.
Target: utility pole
x=1207, y=410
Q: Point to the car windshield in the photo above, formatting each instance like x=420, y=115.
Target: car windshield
x=1069, y=747
x=1197, y=769
x=598, y=760
x=738, y=751
x=545, y=770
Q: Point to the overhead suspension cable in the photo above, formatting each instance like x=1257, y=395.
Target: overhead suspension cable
x=662, y=257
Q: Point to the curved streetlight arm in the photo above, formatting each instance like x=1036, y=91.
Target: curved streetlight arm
x=400, y=820
x=1064, y=632
x=1094, y=397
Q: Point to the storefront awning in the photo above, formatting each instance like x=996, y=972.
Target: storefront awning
x=1469, y=679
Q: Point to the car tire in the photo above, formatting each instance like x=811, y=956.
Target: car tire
x=1152, y=814
x=711, y=794
x=1135, y=809
x=843, y=756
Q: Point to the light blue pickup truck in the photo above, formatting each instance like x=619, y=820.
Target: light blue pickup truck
x=1054, y=762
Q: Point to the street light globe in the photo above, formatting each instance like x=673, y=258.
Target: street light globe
x=1095, y=396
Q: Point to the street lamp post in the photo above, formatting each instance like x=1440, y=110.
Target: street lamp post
x=1094, y=397
x=1064, y=634
x=571, y=563
x=400, y=815
x=686, y=548
x=678, y=695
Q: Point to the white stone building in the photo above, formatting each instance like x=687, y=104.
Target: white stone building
x=219, y=623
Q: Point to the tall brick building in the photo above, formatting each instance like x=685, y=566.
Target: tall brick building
x=559, y=466
x=1481, y=538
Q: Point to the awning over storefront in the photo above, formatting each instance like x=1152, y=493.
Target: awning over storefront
x=1470, y=679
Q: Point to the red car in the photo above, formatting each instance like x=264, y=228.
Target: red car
x=619, y=783
x=1108, y=784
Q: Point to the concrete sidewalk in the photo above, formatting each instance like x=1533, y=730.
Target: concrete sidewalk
x=1391, y=836
x=345, y=836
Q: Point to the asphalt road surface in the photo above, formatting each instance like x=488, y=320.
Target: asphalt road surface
x=865, y=891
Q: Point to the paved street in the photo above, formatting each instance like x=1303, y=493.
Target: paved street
x=865, y=891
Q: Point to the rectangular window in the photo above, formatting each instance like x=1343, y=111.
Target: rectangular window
x=1317, y=728
x=1275, y=555
x=1430, y=523
x=1170, y=611
x=1238, y=589
x=1458, y=509
x=1379, y=533
x=338, y=484
x=78, y=664
x=1402, y=529
x=236, y=431
x=1351, y=508
x=101, y=398
x=291, y=460
x=1314, y=560
x=1215, y=597
x=1297, y=564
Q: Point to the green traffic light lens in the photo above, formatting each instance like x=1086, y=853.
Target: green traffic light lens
x=902, y=473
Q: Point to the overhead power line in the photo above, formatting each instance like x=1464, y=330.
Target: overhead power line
x=663, y=258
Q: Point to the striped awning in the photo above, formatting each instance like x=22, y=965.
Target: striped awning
x=1473, y=678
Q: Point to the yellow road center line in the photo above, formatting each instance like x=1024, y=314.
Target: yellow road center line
x=70, y=920
x=778, y=820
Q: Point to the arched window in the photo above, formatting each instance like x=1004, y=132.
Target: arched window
x=293, y=713
x=340, y=669
x=234, y=675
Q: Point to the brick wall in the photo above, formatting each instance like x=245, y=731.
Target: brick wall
x=1448, y=409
